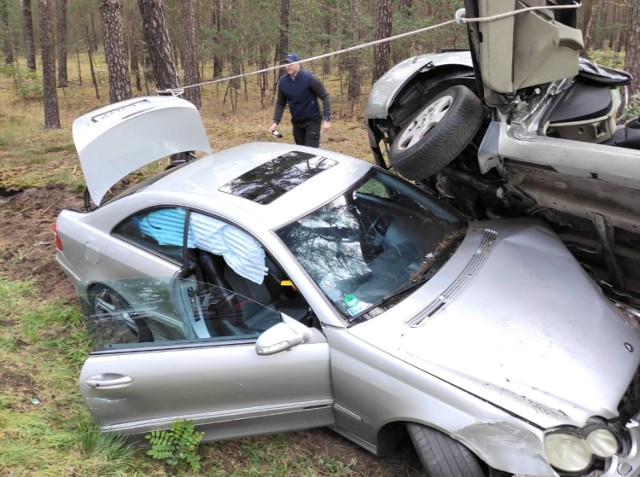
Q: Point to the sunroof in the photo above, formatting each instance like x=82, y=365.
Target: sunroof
x=271, y=180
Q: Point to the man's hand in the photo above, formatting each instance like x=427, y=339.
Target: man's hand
x=326, y=125
x=273, y=127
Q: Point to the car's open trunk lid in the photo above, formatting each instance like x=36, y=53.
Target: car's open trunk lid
x=118, y=139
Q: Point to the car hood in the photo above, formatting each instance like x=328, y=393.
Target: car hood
x=118, y=139
x=523, y=327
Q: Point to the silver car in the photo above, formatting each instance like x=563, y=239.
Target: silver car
x=519, y=125
x=272, y=287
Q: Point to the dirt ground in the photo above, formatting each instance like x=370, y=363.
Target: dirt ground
x=26, y=238
x=27, y=252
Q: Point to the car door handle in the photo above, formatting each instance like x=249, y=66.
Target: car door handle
x=108, y=381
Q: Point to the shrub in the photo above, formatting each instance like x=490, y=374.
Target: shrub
x=176, y=445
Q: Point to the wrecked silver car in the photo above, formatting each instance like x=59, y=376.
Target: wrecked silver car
x=273, y=287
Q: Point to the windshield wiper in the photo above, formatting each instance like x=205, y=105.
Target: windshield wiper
x=438, y=257
x=427, y=269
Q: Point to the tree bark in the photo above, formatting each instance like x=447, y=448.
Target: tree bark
x=590, y=10
x=27, y=32
x=190, y=61
x=61, y=27
x=6, y=32
x=283, y=42
x=115, y=50
x=382, y=51
x=158, y=44
x=632, y=56
x=216, y=28
x=51, y=112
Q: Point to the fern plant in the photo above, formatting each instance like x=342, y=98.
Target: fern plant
x=176, y=445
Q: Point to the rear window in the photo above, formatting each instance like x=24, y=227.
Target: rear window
x=271, y=180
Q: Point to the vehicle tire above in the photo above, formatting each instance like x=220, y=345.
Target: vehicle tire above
x=442, y=456
x=437, y=134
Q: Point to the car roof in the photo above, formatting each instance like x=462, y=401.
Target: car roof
x=205, y=183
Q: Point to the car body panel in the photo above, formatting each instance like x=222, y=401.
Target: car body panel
x=525, y=49
x=597, y=162
x=226, y=388
x=533, y=348
x=384, y=91
x=107, y=151
x=375, y=388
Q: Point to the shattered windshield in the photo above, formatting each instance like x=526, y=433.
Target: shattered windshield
x=373, y=243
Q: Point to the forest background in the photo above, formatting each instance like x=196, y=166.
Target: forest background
x=159, y=45
x=63, y=58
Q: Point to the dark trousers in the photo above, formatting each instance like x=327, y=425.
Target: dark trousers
x=307, y=132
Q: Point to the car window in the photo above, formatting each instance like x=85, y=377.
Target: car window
x=143, y=313
x=229, y=291
x=372, y=242
x=159, y=230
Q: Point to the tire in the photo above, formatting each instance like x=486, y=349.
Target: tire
x=437, y=134
x=442, y=456
x=112, y=319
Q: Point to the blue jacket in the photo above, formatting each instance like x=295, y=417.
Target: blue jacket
x=302, y=93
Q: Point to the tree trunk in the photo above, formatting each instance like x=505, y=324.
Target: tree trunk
x=402, y=48
x=216, y=28
x=329, y=10
x=158, y=44
x=283, y=42
x=190, y=58
x=94, y=80
x=6, y=32
x=353, y=67
x=27, y=32
x=135, y=64
x=115, y=50
x=282, y=48
x=61, y=27
x=590, y=9
x=51, y=112
x=382, y=51
x=632, y=56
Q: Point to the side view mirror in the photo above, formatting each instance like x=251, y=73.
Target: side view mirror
x=282, y=337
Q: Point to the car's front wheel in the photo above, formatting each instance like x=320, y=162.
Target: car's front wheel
x=437, y=134
x=113, y=320
x=442, y=456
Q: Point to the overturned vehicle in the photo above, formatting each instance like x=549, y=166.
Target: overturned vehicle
x=520, y=125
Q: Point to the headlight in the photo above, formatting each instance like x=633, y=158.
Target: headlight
x=602, y=442
x=568, y=452
x=572, y=450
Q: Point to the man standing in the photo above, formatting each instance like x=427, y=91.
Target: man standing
x=301, y=89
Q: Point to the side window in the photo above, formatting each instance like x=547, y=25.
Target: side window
x=244, y=288
x=160, y=231
x=232, y=292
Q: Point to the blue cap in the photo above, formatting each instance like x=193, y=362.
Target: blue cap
x=291, y=58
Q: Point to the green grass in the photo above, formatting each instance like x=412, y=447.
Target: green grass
x=46, y=431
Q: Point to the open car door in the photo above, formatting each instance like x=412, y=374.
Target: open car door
x=231, y=365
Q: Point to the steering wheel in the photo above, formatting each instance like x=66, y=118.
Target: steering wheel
x=377, y=229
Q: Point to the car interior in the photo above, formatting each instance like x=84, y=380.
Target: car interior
x=235, y=306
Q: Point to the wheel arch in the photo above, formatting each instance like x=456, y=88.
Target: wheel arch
x=407, y=98
x=416, y=92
